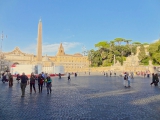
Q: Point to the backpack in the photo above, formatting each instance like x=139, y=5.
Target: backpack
x=125, y=77
x=41, y=81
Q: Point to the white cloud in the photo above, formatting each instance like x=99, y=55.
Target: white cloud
x=51, y=49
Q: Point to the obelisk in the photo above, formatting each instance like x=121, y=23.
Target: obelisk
x=39, y=41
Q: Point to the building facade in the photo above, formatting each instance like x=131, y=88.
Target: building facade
x=72, y=63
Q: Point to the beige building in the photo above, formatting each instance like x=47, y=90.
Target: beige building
x=71, y=63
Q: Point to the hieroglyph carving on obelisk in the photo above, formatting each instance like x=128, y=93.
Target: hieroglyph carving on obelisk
x=39, y=41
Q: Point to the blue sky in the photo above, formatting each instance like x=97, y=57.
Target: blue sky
x=77, y=23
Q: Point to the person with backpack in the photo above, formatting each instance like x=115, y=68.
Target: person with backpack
x=49, y=84
x=32, y=82
x=24, y=81
x=40, y=82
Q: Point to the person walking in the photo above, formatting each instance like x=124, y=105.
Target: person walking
x=3, y=77
x=24, y=82
x=156, y=79
x=153, y=79
x=49, y=84
x=69, y=76
x=32, y=82
x=40, y=82
x=10, y=78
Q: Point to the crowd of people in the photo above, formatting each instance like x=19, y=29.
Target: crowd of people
x=43, y=80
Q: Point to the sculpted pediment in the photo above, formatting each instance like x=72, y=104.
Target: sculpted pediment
x=17, y=52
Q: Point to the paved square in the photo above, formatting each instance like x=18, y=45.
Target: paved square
x=83, y=98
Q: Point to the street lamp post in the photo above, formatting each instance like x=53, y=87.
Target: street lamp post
x=84, y=51
x=1, y=53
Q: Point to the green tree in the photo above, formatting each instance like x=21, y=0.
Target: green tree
x=136, y=43
x=127, y=41
x=118, y=40
x=102, y=44
x=142, y=55
x=145, y=43
x=154, y=50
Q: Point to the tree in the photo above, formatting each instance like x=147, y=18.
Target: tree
x=102, y=44
x=145, y=43
x=154, y=52
x=136, y=43
x=142, y=55
x=118, y=40
x=127, y=41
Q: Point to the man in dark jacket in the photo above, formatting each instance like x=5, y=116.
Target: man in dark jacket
x=24, y=81
x=40, y=82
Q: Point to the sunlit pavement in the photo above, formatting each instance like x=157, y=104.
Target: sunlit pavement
x=85, y=98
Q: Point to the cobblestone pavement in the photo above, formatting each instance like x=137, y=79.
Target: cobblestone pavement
x=83, y=98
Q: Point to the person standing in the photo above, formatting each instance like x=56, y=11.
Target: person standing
x=110, y=73
x=59, y=75
x=132, y=75
x=75, y=74
x=7, y=77
x=24, y=82
x=40, y=82
x=44, y=76
x=18, y=77
x=49, y=84
x=10, y=78
x=129, y=81
x=69, y=76
x=125, y=79
x=32, y=82
x=106, y=74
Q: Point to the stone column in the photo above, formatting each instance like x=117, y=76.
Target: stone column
x=39, y=42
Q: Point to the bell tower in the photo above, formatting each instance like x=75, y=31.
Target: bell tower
x=61, y=51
